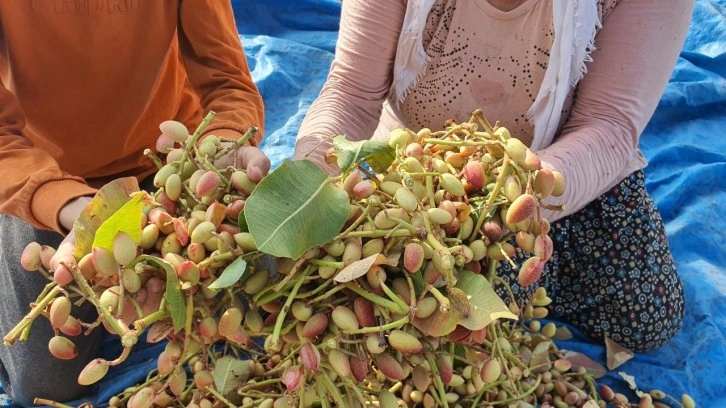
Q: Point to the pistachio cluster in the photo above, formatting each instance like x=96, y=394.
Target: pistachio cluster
x=398, y=309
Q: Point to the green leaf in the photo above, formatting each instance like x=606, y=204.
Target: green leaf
x=230, y=373
x=379, y=155
x=231, y=275
x=127, y=219
x=295, y=208
x=107, y=201
x=242, y=222
x=418, y=282
x=485, y=305
x=174, y=297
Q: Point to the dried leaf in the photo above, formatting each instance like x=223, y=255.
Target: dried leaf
x=616, y=354
x=562, y=333
x=358, y=268
x=631, y=383
x=580, y=360
x=394, y=254
x=158, y=331
x=541, y=357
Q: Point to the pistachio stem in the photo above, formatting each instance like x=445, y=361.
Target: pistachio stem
x=402, y=306
x=83, y=284
x=220, y=397
x=459, y=143
x=385, y=303
x=375, y=329
x=355, y=224
x=503, y=173
x=324, y=403
x=328, y=294
x=437, y=380
x=237, y=143
x=50, y=403
x=482, y=121
x=491, y=270
x=332, y=389
x=444, y=303
x=521, y=396
x=438, y=246
x=501, y=249
x=430, y=191
x=218, y=258
x=193, y=139
x=12, y=336
x=154, y=158
x=275, y=339
x=121, y=358
x=332, y=264
x=152, y=318
x=497, y=279
x=379, y=234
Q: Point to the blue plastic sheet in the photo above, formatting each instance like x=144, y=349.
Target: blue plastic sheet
x=290, y=45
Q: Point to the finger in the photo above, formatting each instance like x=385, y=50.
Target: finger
x=254, y=161
x=65, y=254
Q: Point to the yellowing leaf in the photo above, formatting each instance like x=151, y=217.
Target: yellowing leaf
x=126, y=219
x=581, y=360
x=102, y=206
x=485, y=306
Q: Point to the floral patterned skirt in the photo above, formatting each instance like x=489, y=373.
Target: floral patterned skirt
x=611, y=273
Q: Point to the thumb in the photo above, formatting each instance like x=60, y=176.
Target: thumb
x=254, y=161
x=64, y=258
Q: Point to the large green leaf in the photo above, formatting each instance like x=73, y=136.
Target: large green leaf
x=229, y=373
x=109, y=199
x=485, y=305
x=231, y=275
x=379, y=155
x=295, y=208
x=127, y=219
x=174, y=298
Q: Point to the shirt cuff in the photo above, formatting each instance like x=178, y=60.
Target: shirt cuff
x=52, y=196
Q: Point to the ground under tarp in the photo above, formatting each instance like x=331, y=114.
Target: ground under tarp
x=290, y=45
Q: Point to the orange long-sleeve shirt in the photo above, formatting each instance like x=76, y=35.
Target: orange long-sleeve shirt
x=86, y=83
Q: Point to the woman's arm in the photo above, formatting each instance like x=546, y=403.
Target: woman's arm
x=637, y=49
x=360, y=76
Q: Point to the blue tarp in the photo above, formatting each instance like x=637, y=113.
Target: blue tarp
x=290, y=45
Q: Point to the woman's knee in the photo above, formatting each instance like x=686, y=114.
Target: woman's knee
x=634, y=323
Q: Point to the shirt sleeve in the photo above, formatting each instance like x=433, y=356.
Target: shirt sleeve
x=33, y=187
x=217, y=68
x=636, y=50
x=359, y=80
